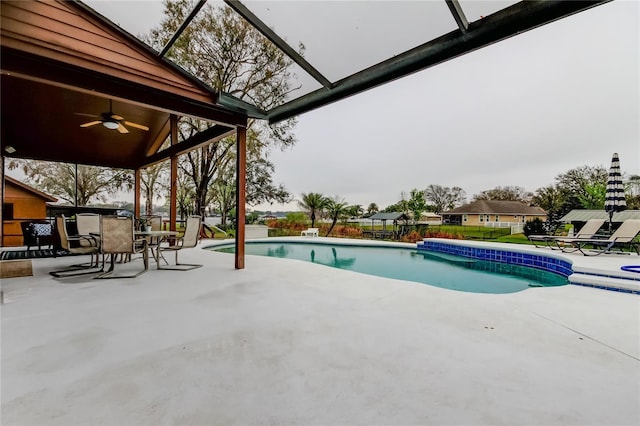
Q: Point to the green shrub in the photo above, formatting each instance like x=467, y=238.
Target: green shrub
x=296, y=218
x=533, y=227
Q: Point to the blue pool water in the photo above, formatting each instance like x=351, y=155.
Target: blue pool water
x=437, y=269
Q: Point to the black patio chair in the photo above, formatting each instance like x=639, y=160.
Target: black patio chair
x=37, y=233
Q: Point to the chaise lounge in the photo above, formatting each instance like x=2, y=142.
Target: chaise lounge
x=624, y=236
x=554, y=242
x=311, y=232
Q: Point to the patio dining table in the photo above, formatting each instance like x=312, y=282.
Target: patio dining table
x=154, y=241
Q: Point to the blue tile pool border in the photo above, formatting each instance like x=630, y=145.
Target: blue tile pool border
x=537, y=261
x=542, y=262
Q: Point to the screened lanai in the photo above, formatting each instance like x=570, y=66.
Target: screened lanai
x=342, y=48
x=63, y=59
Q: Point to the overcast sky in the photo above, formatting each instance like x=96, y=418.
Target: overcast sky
x=516, y=113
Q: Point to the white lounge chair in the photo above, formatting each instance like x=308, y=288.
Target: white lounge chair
x=625, y=236
x=311, y=232
x=588, y=231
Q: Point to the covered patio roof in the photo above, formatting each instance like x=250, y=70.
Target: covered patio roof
x=64, y=65
x=77, y=88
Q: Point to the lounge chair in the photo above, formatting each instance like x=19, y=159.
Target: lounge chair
x=188, y=240
x=116, y=237
x=311, y=232
x=72, y=244
x=588, y=231
x=624, y=236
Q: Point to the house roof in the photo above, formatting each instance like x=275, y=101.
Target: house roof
x=11, y=181
x=498, y=207
x=389, y=216
x=63, y=64
x=585, y=215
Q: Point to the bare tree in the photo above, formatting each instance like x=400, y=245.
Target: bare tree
x=224, y=51
x=153, y=180
x=505, y=193
x=444, y=198
x=59, y=180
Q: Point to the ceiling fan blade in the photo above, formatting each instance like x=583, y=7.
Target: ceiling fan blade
x=136, y=125
x=122, y=129
x=86, y=115
x=91, y=123
x=116, y=117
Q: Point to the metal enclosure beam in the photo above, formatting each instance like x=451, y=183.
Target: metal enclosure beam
x=520, y=17
x=458, y=15
x=243, y=11
x=183, y=27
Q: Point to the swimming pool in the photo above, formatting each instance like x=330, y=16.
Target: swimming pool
x=436, y=269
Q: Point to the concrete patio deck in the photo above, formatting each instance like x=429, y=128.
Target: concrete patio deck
x=289, y=342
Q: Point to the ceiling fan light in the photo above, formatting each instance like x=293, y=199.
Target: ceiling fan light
x=111, y=125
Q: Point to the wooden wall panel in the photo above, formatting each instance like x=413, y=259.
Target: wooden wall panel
x=56, y=30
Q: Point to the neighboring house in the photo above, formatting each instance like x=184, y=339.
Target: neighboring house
x=493, y=213
x=430, y=218
x=21, y=203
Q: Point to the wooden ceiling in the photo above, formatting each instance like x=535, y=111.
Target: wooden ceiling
x=62, y=63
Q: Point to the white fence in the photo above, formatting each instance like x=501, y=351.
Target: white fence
x=516, y=228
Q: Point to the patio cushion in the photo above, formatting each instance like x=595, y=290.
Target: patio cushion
x=41, y=229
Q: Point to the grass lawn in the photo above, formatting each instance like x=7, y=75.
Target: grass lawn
x=515, y=239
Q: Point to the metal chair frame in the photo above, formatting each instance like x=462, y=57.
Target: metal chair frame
x=92, y=267
x=116, y=237
x=188, y=240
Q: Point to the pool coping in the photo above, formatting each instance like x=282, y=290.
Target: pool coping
x=580, y=270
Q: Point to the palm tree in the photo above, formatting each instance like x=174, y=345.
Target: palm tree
x=312, y=203
x=335, y=210
x=372, y=209
x=355, y=211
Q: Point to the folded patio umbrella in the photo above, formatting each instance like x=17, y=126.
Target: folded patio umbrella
x=615, y=199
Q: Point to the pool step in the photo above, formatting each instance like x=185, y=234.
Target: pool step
x=591, y=279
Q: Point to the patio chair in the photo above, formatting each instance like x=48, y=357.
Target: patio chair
x=37, y=233
x=188, y=240
x=155, y=224
x=624, y=236
x=588, y=230
x=311, y=232
x=71, y=244
x=89, y=225
x=116, y=237
x=28, y=237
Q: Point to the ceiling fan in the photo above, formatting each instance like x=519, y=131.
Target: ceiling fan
x=112, y=121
